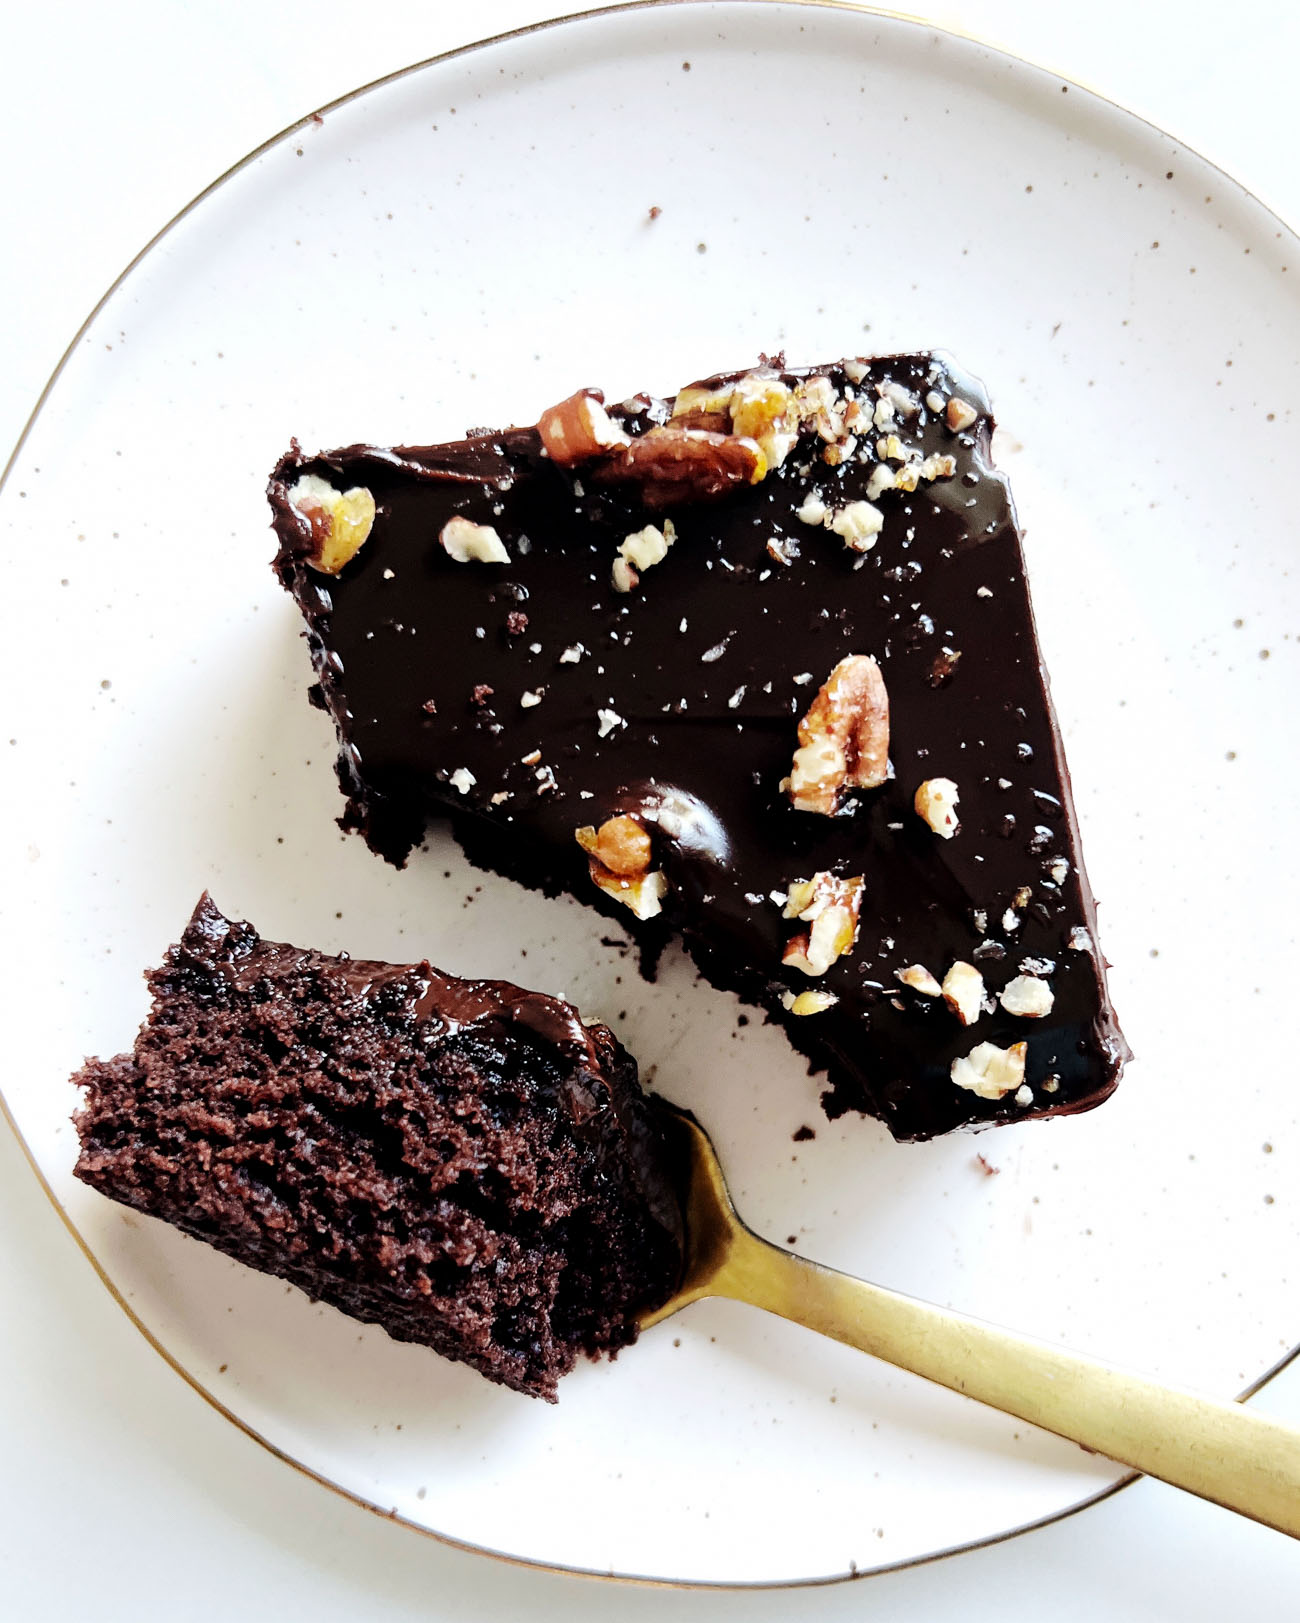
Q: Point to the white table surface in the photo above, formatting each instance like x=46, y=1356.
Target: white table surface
x=121, y=1493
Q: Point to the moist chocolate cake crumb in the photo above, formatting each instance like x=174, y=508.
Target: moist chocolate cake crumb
x=461, y=1162
x=801, y=1135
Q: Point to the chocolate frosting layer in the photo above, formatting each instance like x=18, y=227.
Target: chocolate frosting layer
x=523, y=700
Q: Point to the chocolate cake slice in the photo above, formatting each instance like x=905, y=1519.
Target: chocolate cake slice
x=462, y=1162
x=755, y=665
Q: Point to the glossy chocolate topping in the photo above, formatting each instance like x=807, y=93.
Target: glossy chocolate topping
x=420, y=992
x=526, y=699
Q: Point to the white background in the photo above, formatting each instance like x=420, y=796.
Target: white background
x=121, y=1492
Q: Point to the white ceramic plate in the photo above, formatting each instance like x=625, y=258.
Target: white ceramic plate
x=463, y=244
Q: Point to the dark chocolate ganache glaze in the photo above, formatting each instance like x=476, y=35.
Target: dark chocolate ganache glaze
x=414, y=994
x=499, y=653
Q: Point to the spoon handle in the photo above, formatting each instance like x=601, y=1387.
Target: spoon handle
x=1221, y=1451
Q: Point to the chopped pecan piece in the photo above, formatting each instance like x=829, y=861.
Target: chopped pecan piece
x=830, y=906
x=673, y=466
x=645, y=548
x=990, y=1071
x=622, y=575
x=695, y=407
x=619, y=856
x=468, y=542
x=579, y=429
x=1027, y=995
x=843, y=739
x=642, y=894
x=858, y=524
x=819, y=405
x=942, y=666
x=813, y=1001
x=936, y=803
x=765, y=410
x=963, y=992
x=621, y=844
x=757, y=406
x=340, y=520
x=960, y=414
x=919, y=978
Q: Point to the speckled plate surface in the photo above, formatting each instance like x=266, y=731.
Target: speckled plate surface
x=462, y=245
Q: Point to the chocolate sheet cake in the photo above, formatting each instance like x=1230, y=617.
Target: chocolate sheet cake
x=756, y=666
x=462, y=1162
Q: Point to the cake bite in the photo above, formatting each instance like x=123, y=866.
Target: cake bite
x=462, y=1162
x=755, y=666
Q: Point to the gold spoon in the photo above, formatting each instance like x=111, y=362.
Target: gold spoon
x=1221, y=1451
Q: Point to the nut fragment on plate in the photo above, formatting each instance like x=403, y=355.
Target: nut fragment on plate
x=1027, y=995
x=579, y=429
x=990, y=1071
x=843, y=738
x=468, y=542
x=340, y=520
x=619, y=856
x=813, y=1001
x=830, y=905
x=935, y=803
x=963, y=992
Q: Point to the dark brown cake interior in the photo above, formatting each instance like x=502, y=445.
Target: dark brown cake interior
x=461, y=1162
